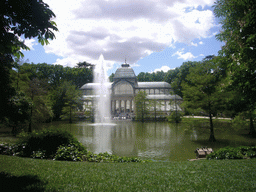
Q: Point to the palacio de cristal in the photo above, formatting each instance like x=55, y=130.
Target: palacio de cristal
x=124, y=89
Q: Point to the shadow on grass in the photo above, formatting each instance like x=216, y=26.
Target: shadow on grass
x=249, y=136
x=220, y=143
x=22, y=183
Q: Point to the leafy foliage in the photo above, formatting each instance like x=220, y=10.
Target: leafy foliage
x=233, y=153
x=46, y=142
x=142, y=107
x=72, y=99
x=58, y=145
x=179, y=76
x=19, y=108
x=55, y=75
x=54, y=82
x=238, y=32
x=202, y=91
x=155, y=76
x=31, y=18
x=70, y=152
x=175, y=117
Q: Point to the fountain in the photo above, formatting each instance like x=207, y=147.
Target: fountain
x=102, y=113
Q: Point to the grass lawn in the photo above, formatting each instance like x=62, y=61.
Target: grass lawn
x=25, y=174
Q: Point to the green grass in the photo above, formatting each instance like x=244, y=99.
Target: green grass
x=25, y=174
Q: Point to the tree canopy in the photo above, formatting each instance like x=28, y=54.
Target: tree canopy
x=238, y=19
x=28, y=18
x=202, y=92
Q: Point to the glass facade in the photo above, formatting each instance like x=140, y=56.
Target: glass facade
x=124, y=89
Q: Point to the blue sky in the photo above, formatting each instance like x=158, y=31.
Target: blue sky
x=158, y=35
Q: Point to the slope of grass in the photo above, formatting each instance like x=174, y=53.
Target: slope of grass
x=25, y=174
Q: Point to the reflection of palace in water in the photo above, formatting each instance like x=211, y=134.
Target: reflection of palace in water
x=148, y=140
x=124, y=88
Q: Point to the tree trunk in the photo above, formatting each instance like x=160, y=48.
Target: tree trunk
x=212, y=138
x=155, y=108
x=70, y=114
x=252, y=130
x=30, y=121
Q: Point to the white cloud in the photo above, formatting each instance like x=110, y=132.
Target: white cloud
x=194, y=44
x=201, y=42
x=132, y=28
x=163, y=68
x=184, y=56
x=30, y=43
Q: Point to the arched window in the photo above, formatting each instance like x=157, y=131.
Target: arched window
x=123, y=88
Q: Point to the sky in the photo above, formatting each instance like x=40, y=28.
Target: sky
x=150, y=35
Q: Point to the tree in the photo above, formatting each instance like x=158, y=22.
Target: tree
x=19, y=107
x=40, y=109
x=56, y=74
x=141, y=105
x=183, y=71
x=238, y=19
x=201, y=92
x=111, y=77
x=171, y=75
x=144, y=77
x=84, y=65
x=175, y=115
x=31, y=18
x=72, y=100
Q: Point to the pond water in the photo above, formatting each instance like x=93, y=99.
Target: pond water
x=153, y=140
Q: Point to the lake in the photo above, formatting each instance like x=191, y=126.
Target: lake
x=153, y=140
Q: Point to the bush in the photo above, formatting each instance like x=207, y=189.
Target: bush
x=58, y=145
x=248, y=151
x=175, y=118
x=44, y=144
x=70, y=152
x=106, y=157
x=233, y=153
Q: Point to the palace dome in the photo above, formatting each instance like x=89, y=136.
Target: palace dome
x=125, y=71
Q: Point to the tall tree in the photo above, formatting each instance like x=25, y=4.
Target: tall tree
x=20, y=114
x=72, y=99
x=201, y=91
x=238, y=20
x=40, y=109
x=141, y=105
x=31, y=18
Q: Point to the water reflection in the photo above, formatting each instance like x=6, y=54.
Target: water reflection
x=154, y=140
x=146, y=140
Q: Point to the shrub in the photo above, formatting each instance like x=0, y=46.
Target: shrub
x=233, y=153
x=70, y=152
x=44, y=143
x=58, y=145
x=175, y=117
x=106, y=157
x=248, y=151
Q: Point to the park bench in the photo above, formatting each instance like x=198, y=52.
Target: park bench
x=202, y=152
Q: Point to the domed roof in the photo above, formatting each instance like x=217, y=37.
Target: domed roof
x=125, y=71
